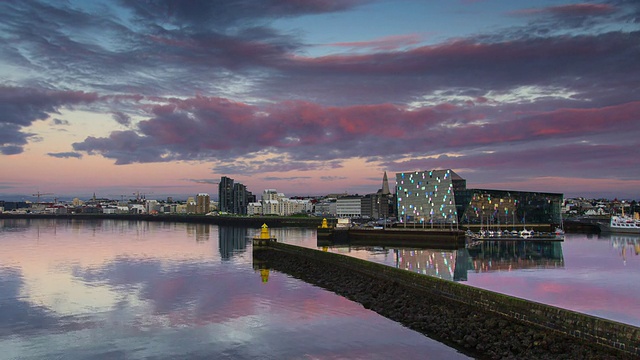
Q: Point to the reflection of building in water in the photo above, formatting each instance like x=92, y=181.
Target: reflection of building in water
x=232, y=240
x=627, y=245
x=201, y=232
x=512, y=255
x=293, y=235
x=438, y=263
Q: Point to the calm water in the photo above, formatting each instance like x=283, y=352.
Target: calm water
x=137, y=290
x=592, y=274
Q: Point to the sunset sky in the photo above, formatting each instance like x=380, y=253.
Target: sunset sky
x=312, y=97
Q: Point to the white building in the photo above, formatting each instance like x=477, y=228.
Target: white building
x=138, y=209
x=276, y=203
x=294, y=206
x=271, y=194
x=152, y=206
x=349, y=206
x=254, y=208
x=270, y=207
x=325, y=208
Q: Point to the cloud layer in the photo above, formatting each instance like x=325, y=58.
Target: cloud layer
x=219, y=82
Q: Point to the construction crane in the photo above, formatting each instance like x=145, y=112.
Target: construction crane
x=38, y=194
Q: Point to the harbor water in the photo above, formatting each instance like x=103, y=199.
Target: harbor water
x=110, y=289
x=107, y=289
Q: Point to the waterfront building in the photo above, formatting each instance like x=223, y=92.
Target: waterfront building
x=276, y=203
x=349, y=206
x=270, y=207
x=240, y=199
x=233, y=197
x=367, y=206
x=380, y=204
x=289, y=206
x=203, y=203
x=271, y=194
x=106, y=210
x=384, y=205
x=153, y=207
x=497, y=207
x=137, y=209
x=326, y=208
x=225, y=194
x=441, y=196
x=254, y=208
x=180, y=209
x=270, y=202
x=428, y=196
x=191, y=205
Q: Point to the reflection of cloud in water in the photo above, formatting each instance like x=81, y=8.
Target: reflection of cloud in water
x=18, y=316
x=147, y=291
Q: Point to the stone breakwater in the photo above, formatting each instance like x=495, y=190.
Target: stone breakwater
x=472, y=330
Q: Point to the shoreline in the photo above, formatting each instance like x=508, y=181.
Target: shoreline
x=248, y=221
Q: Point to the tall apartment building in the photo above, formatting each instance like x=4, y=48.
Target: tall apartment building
x=225, y=194
x=240, y=199
x=233, y=197
x=203, y=203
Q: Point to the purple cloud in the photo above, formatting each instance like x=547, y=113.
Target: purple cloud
x=20, y=107
x=66, y=155
x=122, y=118
x=218, y=82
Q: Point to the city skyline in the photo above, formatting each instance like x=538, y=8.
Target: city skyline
x=318, y=97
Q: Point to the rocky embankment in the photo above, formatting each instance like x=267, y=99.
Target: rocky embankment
x=480, y=334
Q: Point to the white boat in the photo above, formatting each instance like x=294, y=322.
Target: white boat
x=525, y=234
x=621, y=224
x=515, y=235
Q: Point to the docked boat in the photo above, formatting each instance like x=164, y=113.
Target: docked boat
x=621, y=224
x=506, y=235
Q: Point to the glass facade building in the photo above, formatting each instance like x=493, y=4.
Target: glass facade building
x=428, y=196
x=441, y=196
x=495, y=207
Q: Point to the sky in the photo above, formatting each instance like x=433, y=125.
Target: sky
x=163, y=97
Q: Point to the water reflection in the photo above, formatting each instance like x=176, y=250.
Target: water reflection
x=515, y=255
x=138, y=290
x=232, y=240
x=454, y=265
x=626, y=244
x=201, y=232
x=437, y=263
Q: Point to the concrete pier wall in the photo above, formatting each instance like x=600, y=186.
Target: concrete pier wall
x=581, y=327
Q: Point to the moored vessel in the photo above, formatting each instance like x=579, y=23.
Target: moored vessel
x=621, y=224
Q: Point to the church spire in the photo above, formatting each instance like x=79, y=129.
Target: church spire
x=385, y=185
